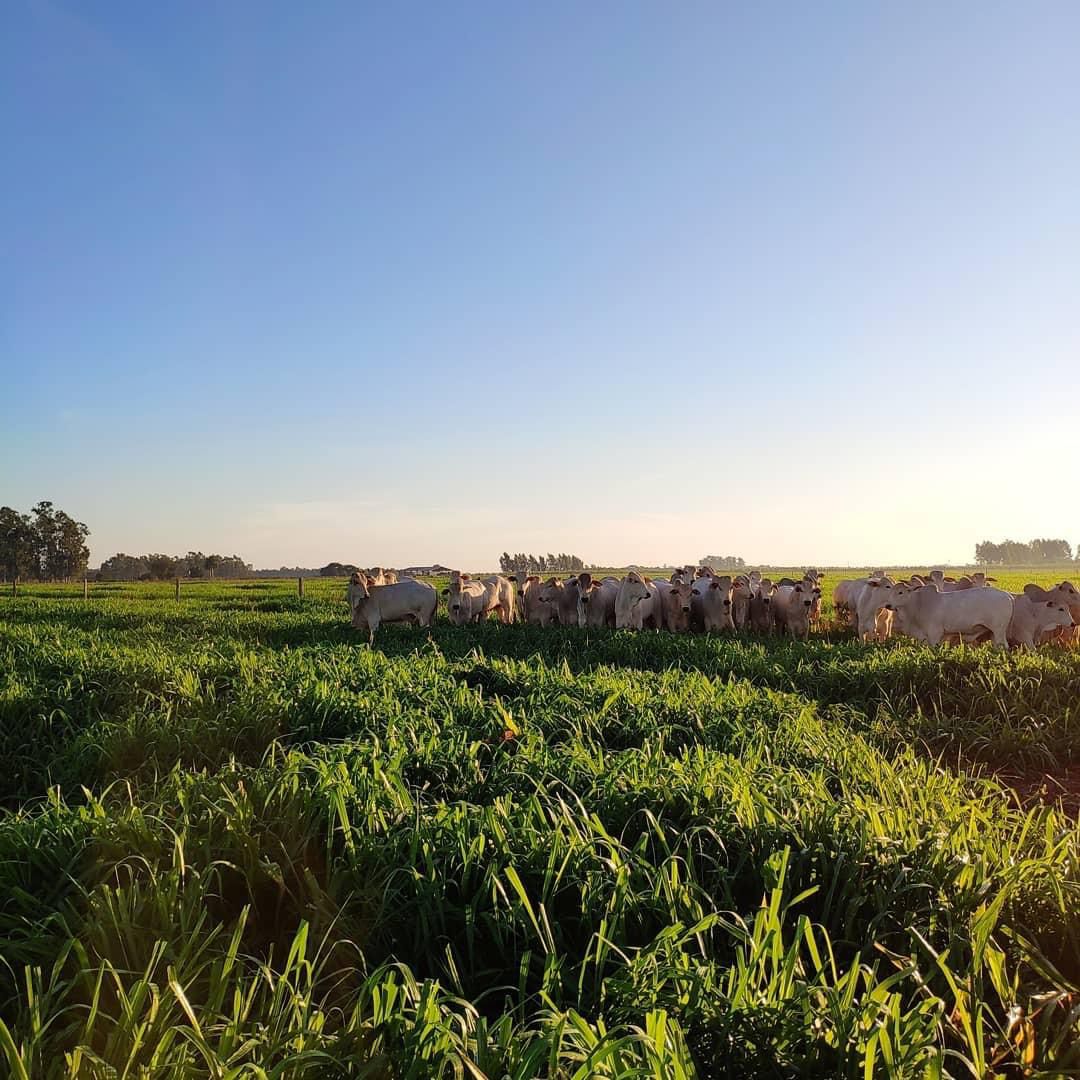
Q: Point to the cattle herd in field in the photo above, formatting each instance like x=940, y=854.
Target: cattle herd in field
x=931, y=609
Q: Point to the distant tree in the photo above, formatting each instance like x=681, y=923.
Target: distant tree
x=59, y=542
x=71, y=554
x=724, y=562
x=540, y=564
x=194, y=564
x=18, y=544
x=233, y=566
x=45, y=538
x=337, y=569
x=211, y=563
x=1044, y=550
x=121, y=567
x=161, y=567
x=1014, y=553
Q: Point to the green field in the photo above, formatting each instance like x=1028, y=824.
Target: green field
x=235, y=842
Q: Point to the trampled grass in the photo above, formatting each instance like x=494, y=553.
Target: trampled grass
x=235, y=842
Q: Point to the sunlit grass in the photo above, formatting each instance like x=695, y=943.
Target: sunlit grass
x=239, y=843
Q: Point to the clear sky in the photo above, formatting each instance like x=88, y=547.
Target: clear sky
x=396, y=283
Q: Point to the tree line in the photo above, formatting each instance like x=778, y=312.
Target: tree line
x=723, y=562
x=45, y=545
x=540, y=564
x=159, y=567
x=1013, y=552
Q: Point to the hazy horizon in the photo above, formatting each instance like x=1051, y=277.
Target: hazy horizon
x=402, y=286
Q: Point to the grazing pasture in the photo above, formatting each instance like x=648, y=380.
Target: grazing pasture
x=237, y=842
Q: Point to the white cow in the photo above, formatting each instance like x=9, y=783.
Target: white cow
x=675, y=603
x=761, y=616
x=596, y=600
x=403, y=601
x=928, y=615
x=742, y=592
x=711, y=601
x=1032, y=618
x=1068, y=594
x=637, y=602
x=870, y=601
x=846, y=600
x=469, y=600
x=530, y=606
x=561, y=599
x=791, y=607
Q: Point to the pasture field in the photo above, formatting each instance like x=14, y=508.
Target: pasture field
x=235, y=842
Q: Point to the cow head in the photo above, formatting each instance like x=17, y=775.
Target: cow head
x=634, y=588
x=357, y=593
x=522, y=580
x=458, y=599
x=1064, y=592
x=585, y=585
x=761, y=617
x=722, y=585
x=741, y=594
x=550, y=591
x=677, y=607
x=895, y=596
x=1055, y=614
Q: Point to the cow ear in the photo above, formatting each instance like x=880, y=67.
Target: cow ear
x=1034, y=592
x=991, y=579
x=714, y=584
x=464, y=577
x=532, y=577
x=874, y=584
x=648, y=580
x=446, y=592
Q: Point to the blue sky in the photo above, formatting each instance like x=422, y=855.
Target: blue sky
x=402, y=283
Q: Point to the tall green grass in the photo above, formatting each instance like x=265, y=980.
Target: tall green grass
x=239, y=843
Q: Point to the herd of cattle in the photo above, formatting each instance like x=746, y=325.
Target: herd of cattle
x=931, y=609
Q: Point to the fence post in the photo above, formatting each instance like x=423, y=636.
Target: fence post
x=14, y=586
x=178, y=590
x=300, y=587
x=85, y=589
